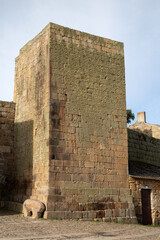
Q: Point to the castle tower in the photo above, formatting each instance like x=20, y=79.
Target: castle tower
x=70, y=126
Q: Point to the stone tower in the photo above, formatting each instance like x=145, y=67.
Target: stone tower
x=70, y=126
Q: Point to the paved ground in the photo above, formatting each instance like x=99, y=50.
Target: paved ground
x=16, y=227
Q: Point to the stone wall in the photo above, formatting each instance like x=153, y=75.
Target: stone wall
x=147, y=128
x=155, y=131
x=88, y=135
x=152, y=130
x=6, y=145
x=136, y=185
x=143, y=148
x=31, y=94
x=144, y=155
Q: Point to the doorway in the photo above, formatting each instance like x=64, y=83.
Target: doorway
x=146, y=206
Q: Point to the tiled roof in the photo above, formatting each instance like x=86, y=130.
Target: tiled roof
x=144, y=170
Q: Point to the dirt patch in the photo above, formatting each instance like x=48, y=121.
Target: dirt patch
x=15, y=226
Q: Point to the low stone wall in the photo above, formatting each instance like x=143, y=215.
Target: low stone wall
x=6, y=144
x=143, y=148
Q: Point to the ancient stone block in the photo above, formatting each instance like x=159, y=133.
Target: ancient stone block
x=33, y=208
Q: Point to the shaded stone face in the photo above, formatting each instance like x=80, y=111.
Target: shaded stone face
x=144, y=170
x=31, y=94
x=143, y=148
x=6, y=147
x=70, y=87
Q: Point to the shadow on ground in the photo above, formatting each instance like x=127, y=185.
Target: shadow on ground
x=94, y=235
x=6, y=212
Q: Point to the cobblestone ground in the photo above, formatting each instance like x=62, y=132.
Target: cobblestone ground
x=14, y=226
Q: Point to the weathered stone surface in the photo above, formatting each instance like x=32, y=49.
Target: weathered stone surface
x=70, y=125
x=142, y=126
x=31, y=94
x=136, y=185
x=144, y=168
x=6, y=146
x=88, y=138
x=33, y=208
x=143, y=148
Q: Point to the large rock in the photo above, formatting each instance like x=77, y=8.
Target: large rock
x=33, y=208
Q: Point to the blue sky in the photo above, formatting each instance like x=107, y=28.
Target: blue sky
x=134, y=22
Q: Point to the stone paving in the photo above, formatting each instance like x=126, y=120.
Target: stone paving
x=16, y=227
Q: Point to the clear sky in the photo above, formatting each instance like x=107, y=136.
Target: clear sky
x=134, y=22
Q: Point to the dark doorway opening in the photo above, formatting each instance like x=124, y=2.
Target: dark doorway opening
x=30, y=213
x=146, y=206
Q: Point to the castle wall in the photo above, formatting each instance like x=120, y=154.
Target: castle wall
x=31, y=94
x=88, y=133
x=143, y=148
x=6, y=146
